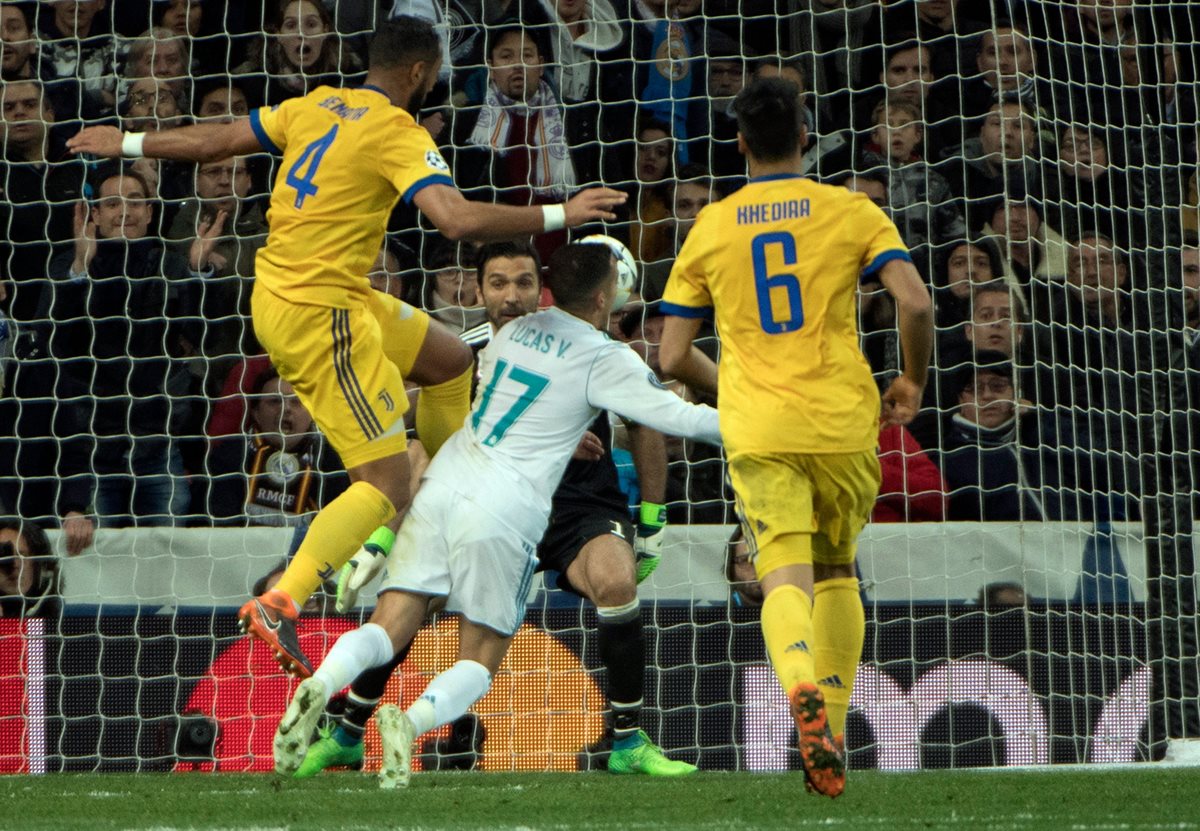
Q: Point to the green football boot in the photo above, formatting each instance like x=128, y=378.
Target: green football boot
x=648, y=759
x=327, y=752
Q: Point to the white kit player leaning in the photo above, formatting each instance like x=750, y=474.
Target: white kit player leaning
x=471, y=534
x=474, y=526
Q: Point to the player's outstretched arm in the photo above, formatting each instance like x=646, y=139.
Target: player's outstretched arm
x=196, y=143
x=619, y=381
x=681, y=359
x=914, y=308
x=460, y=218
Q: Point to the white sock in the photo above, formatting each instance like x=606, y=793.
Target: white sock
x=355, y=652
x=449, y=695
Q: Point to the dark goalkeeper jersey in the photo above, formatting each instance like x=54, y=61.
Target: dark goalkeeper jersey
x=593, y=483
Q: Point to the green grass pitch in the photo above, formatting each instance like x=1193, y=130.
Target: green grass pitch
x=1062, y=800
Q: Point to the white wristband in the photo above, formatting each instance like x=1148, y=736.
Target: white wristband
x=131, y=145
x=554, y=217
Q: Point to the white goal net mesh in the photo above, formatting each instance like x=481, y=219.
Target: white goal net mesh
x=1028, y=574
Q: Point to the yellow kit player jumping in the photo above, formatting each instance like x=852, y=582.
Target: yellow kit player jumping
x=348, y=155
x=777, y=265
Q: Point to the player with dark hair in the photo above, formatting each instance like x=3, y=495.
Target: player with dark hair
x=543, y=380
x=777, y=264
x=348, y=155
x=590, y=545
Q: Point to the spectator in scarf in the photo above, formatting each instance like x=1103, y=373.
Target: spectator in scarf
x=451, y=288
x=1004, y=461
x=517, y=135
x=280, y=471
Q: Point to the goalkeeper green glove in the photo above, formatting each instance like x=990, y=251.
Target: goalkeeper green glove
x=648, y=544
x=363, y=567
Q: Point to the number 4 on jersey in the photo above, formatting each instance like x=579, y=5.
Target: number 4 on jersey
x=312, y=154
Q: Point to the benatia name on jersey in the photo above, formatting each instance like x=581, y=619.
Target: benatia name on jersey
x=772, y=211
x=538, y=340
x=339, y=107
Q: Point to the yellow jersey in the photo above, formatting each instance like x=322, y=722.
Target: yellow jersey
x=348, y=156
x=777, y=265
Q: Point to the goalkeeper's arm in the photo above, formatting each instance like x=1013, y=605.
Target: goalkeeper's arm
x=649, y=451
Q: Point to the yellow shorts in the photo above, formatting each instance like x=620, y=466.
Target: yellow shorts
x=824, y=499
x=346, y=365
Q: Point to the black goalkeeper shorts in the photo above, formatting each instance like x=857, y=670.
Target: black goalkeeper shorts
x=570, y=529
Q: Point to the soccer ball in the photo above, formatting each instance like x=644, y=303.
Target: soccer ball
x=627, y=271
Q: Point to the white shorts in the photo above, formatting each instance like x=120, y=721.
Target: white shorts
x=450, y=547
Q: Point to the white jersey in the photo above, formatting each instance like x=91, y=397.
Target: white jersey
x=472, y=532
x=543, y=379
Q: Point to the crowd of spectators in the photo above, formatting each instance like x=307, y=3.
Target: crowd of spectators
x=1039, y=159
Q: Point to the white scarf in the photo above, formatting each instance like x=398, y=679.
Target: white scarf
x=553, y=173
x=998, y=436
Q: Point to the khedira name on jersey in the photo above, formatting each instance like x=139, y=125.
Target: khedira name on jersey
x=772, y=211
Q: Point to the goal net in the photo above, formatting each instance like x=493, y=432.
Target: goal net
x=1028, y=575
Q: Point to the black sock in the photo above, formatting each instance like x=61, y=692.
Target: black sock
x=366, y=692
x=623, y=652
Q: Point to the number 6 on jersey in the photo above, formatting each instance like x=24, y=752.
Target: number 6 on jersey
x=764, y=282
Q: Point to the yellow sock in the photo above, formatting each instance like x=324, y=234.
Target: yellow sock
x=838, y=627
x=442, y=409
x=335, y=534
x=787, y=631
